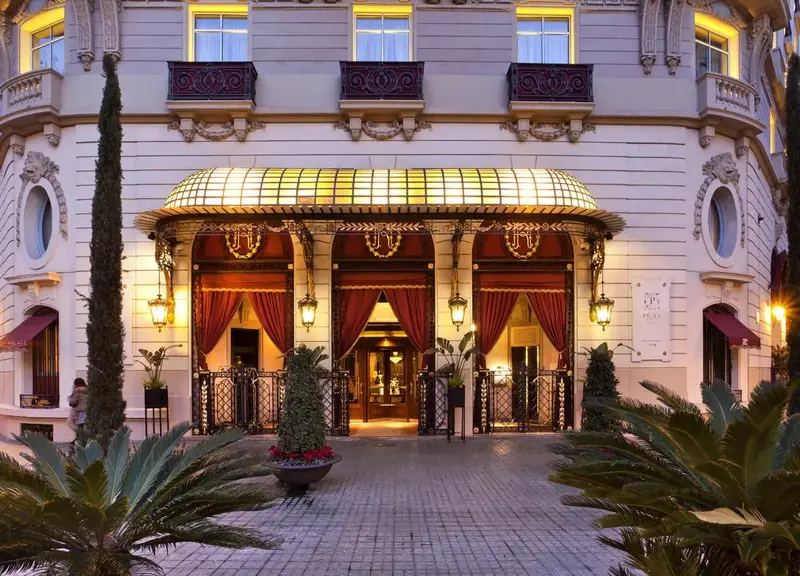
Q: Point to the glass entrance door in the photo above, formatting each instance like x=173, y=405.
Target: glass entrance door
x=387, y=384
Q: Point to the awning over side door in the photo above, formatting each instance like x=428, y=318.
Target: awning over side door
x=737, y=333
x=20, y=337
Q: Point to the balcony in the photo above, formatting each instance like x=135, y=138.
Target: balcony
x=38, y=401
x=561, y=95
x=728, y=106
x=31, y=98
x=389, y=92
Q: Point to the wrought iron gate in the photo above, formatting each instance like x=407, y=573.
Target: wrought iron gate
x=432, y=400
x=244, y=397
x=522, y=402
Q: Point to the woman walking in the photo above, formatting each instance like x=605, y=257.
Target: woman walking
x=78, y=401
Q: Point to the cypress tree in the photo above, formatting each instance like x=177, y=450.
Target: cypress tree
x=104, y=329
x=792, y=289
x=601, y=386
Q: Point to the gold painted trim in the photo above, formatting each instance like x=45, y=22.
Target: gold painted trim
x=382, y=287
x=272, y=290
x=525, y=291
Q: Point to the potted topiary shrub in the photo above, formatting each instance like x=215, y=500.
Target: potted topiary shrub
x=599, y=387
x=301, y=457
x=456, y=363
x=155, y=389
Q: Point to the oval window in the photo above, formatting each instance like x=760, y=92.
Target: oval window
x=38, y=222
x=722, y=222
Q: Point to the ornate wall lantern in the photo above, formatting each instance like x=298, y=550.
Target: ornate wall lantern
x=159, y=310
x=458, y=309
x=602, y=311
x=778, y=312
x=308, y=311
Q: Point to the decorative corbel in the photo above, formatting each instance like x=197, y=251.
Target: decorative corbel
x=85, y=38
x=674, y=18
x=6, y=48
x=597, y=261
x=648, y=29
x=408, y=126
x=110, y=10
x=17, y=144
x=165, y=260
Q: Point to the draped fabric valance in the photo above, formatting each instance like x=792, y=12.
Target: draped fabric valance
x=380, y=280
x=522, y=282
x=244, y=282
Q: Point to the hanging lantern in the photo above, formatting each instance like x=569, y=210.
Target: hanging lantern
x=308, y=311
x=159, y=309
x=602, y=311
x=458, y=309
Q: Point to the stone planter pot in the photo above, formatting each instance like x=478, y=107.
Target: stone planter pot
x=301, y=477
x=455, y=397
x=156, y=398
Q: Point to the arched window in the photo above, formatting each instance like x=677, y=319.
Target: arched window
x=717, y=357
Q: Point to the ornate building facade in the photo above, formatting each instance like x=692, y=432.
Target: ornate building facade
x=368, y=176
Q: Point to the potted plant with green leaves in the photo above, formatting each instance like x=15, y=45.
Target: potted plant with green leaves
x=302, y=457
x=457, y=359
x=155, y=389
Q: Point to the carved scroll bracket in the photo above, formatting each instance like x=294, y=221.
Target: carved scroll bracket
x=525, y=129
x=649, y=29
x=165, y=260
x=240, y=127
x=407, y=126
x=458, y=236
x=307, y=244
x=84, y=16
x=597, y=261
x=110, y=10
x=674, y=17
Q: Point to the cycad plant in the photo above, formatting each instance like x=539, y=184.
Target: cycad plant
x=694, y=493
x=92, y=515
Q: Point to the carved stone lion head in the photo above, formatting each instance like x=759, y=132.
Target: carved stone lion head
x=37, y=166
x=723, y=168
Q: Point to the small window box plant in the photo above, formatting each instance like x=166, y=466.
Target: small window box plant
x=155, y=389
x=301, y=457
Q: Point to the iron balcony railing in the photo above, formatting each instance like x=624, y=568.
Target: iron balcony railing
x=39, y=400
x=550, y=82
x=382, y=80
x=212, y=81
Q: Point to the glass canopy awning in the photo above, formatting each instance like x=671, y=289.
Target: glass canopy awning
x=327, y=193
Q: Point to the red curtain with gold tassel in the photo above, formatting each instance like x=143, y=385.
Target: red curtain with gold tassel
x=496, y=309
x=551, y=311
x=218, y=310
x=410, y=306
x=270, y=308
x=354, y=307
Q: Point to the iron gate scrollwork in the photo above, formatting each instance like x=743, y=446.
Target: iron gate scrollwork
x=522, y=401
x=432, y=399
x=244, y=397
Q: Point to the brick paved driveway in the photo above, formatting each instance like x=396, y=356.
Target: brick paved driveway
x=418, y=507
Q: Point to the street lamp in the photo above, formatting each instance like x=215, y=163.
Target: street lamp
x=458, y=308
x=308, y=311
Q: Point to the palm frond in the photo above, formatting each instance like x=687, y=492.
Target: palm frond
x=116, y=463
x=722, y=405
x=46, y=461
x=669, y=398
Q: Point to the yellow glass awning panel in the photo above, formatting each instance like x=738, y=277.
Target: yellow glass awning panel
x=261, y=187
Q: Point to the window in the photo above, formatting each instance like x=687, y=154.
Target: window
x=716, y=224
x=383, y=37
x=220, y=37
x=717, y=357
x=716, y=46
x=41, y=42
x=722, y=224
x=543, y=40
x=38, y=222
x=44, y=358
x=712, y=52
x=773, y=133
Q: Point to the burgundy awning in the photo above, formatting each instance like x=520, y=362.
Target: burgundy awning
x=20, y=337
x=738, y=334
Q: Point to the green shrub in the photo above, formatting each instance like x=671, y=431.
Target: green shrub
x=600, y=387
x=91, y=515
x=694, y=493
x=302, y=425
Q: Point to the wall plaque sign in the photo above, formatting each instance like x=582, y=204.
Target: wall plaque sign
x=651, y=320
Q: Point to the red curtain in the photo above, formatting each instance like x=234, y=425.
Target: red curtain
x=270, y=308
x=551, y=311
x=355, y=307
x=218, y=310
x=496, y=308
x=409, y=305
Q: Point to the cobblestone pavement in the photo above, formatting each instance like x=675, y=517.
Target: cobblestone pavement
x=418, y=507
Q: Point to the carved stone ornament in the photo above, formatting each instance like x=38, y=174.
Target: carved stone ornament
x=6, y=48
x=408, y=127
x=721, y=167
x=239, y=127
x=649, y=26
x=109, y=10
x=38, y=166
x=525, y=129
x=674, y=18
x=83, y=20
x=732, y=15
x=610, y=3
x=23, y=13
x=780, y=202
x=759, y=41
